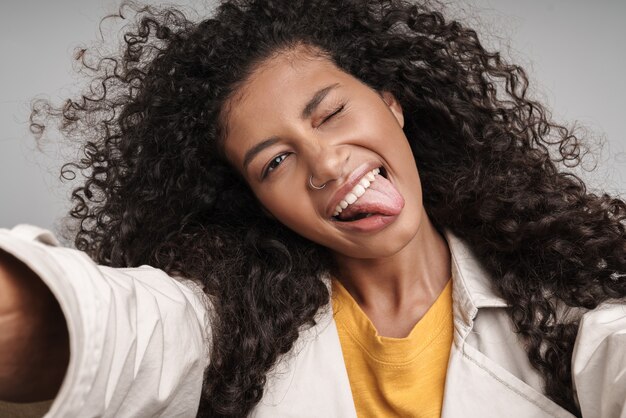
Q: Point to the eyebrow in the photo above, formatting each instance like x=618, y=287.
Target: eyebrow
x=306, y=113
x=317, y=98
x=255, y=150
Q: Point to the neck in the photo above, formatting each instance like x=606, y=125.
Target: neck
x=412, y=278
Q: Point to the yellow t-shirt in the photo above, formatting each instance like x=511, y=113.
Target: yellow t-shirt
x=391, y=377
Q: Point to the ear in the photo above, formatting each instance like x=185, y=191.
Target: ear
x=394, y=106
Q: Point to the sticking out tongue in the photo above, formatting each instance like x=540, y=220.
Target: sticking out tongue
x=380, y=198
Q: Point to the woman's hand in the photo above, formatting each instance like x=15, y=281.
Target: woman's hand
x=34, y=342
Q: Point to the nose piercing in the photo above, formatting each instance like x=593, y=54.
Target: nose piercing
x=313, y=186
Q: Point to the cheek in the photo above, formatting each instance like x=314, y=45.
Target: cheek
x=292, y=209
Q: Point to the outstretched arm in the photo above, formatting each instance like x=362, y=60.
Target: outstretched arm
x=138, y=338
x=34, y=342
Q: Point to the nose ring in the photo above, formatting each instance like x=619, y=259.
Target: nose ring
x=313, y=186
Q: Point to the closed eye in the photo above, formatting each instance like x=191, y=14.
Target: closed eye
x=273, y=165
x=339, y=109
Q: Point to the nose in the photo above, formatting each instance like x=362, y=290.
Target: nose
x=327, y=162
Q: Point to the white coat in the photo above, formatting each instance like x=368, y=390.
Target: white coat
x=139, y=344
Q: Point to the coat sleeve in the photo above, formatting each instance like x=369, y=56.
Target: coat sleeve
x=138, y=338
x=599, y=362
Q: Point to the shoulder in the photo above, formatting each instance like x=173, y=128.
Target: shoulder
x=600, y=327
x=599, y=361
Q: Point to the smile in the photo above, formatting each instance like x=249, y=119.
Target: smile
x=357, y=191
x=367, y=201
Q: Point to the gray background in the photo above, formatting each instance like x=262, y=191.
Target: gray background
x=574, y=51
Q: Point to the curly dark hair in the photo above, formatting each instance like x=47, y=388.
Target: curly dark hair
x=159, y=191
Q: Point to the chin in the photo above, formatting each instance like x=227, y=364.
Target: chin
x=385, y=244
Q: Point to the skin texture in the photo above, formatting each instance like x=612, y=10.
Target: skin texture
x=395, y=273
x=34, y=343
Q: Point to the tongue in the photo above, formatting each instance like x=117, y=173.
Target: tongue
x=380, y=198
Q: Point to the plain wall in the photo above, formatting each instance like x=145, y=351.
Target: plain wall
x=573, y=49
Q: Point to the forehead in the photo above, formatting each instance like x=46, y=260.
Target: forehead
x=275, y=93
x=281, y=79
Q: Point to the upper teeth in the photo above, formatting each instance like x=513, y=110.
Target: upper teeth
x=357, y=191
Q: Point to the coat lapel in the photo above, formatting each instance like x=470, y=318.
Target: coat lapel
x=311, y=380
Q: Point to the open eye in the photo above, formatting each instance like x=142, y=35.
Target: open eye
x=272, y=165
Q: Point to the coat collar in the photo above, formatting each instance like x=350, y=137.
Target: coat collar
x=472, y=284
x=472, y=287
x=300, y=379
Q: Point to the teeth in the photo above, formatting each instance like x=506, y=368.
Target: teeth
x=357, y=191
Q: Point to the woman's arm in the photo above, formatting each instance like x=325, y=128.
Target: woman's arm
x=34, y=343
x=138, y=338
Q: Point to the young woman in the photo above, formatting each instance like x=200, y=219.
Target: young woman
x=368, y=212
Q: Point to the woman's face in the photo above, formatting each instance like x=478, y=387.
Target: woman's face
x=299, y=116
